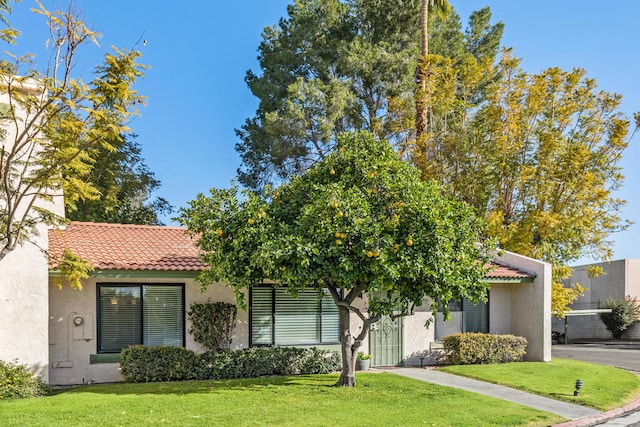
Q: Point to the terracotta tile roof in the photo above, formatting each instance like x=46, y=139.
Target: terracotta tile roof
x=158, y=248
x=503, y=271
x=127, y=247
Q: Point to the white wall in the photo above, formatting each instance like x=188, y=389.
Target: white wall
x=24, y=288
x=530, y=308
x=24, y=307
x=71, y=346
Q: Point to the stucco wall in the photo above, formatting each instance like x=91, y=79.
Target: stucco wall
x=418, y=338
x=71, y=346
x=24, y=283
x=611, y=284
x=24, y=307
x=530, y=308
x=621, y=278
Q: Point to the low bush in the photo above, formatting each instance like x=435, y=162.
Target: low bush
x=477, y=348
x=16, y=382
x=147, y=364
x=624, y=313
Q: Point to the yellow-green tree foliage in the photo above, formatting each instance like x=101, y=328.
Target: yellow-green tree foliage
x=52, y=122
x=537, y=157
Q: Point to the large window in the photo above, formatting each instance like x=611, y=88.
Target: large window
x=465, y=317
x=139, y=314
x=277, y=318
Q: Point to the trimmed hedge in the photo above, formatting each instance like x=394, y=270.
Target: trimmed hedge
x=149, y=364
x=16, y=382
x=477, y=348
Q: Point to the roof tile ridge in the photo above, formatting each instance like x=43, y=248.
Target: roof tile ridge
x=119, y=225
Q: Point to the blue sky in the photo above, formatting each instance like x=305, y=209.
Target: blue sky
x=199, y=52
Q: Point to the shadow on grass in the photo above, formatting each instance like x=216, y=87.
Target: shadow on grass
x=205, y=386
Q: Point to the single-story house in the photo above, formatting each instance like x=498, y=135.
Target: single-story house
x=144, y=282
x=620, y=278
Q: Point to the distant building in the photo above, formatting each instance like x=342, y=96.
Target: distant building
x=621, y=278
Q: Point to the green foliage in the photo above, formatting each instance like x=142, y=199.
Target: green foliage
x=73, y=269
x=479, y=348
x=562, y=296
x=16, y=382
x=545, y=175
x=212, y=323
x=624, y=313
x=262, y=361
x=360, y=221
x=339, y=65
x=148, y=364
x=124, y=183
x=60, y=121
x=363, y=356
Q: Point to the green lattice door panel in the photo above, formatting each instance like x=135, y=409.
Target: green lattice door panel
x=385, y=342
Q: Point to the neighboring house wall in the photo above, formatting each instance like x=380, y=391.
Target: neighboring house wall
x=23, y=288
x=74, y=355
x=24, y=307
x=621, y=278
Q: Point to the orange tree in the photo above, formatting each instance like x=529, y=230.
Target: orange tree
x=359, y=222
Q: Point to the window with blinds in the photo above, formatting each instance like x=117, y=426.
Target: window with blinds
x=465, y=317
x=277, y=318
x=139, y=314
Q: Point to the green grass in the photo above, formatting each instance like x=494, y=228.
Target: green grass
x=379, y=400
x=604, y=387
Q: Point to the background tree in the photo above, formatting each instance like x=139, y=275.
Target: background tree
x=442, y=8
x=539, y=160
x=360, y=221
x=332, y=66
x=125, y=184
x=52, y=122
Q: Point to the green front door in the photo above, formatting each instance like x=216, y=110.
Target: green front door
x=385, y=342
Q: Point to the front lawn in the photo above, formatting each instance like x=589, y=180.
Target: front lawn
x=380, y=399
x=604, y=387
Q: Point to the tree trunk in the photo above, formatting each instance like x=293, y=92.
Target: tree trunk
x=422, y=107
x=349, y=350
x=424, y=12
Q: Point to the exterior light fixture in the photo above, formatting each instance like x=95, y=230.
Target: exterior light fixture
x=578, y=387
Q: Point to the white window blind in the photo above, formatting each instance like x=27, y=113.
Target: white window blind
x=277, y=318
x=120, y=320
x=163, y=318
x=297, y=320
x=140, y=314
x=261, y=312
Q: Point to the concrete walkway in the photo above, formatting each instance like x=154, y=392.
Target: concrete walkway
x=566, y=410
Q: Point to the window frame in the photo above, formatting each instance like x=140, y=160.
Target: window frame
x=461, y=303
x=141, y=287
x=273, y=343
